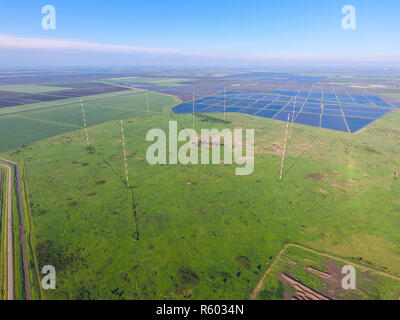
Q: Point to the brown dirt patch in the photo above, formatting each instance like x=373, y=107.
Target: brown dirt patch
x=303, y=292
x=335, y=279
x=315, y=176
x=305, y=147
x=319, y=273
x=276, y=146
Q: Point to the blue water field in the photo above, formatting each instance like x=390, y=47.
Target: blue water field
x=335, y=123
x=328, y=110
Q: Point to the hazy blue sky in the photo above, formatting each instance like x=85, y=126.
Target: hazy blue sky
x=199, y=32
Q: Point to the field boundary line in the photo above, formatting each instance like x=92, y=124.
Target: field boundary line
x=49, y=121
x=257, y=289
x=126, y=109
x=115, y=85
x=25, y=182
x=177, y=99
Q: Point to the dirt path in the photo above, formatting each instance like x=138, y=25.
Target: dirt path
x=10, y=264
x=22, y=222
x=259, y=286
x=322, y=254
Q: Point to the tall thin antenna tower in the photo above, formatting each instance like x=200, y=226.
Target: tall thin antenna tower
x=148, y=106
x=124, y=150
x=291, y=125
x=322, y=92
x=193, y=109
x=225, y=104
x=284, y=146
x=84, y=122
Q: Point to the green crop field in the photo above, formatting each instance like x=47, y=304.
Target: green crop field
x=165, y=82
x=26, y=124
x=204, y=233
x=22, y=88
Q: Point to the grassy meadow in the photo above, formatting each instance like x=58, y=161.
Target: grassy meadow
x=204, y=233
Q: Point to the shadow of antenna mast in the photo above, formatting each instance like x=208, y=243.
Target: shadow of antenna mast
x=133, y=202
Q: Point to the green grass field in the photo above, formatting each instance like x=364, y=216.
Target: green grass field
x=204, y=232
x=27, y=124
x=22, y=88
x=164, y=82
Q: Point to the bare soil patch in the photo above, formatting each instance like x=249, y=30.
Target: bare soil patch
x=303, y=292
x=315, y=176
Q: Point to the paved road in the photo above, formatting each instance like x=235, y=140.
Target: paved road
x=22, y=228
x=10, y=264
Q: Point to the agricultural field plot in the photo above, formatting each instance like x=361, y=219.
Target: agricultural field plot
x=210, y=83
x=385, y=85
x=147, y=81
x=301, y=273
x=200, y=231
x=320, y=105
x=31, y=88
x=23, y=125
x=278, y=77
x=17, y=95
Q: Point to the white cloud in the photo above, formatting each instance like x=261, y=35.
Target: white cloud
x=9, y=42
x=51, y=48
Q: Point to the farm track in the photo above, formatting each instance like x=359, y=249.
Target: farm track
x=257, y=289
x=22, y=230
